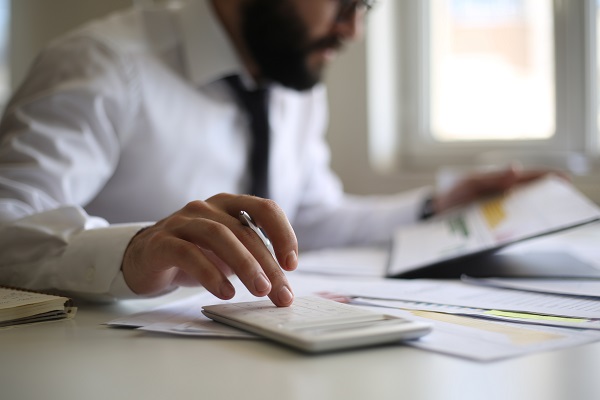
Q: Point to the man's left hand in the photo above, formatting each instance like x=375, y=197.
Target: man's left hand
x=480, y=185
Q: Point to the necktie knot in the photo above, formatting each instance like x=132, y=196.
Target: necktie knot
x=249, y=99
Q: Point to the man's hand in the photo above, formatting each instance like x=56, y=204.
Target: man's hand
x=480, y=185
x=205, y=242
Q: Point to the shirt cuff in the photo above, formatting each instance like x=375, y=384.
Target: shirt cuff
x=427, y=210
x=92, y=262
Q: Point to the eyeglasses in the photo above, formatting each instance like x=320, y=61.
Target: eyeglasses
x=349, y=8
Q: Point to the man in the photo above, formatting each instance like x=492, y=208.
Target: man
x=131, y=118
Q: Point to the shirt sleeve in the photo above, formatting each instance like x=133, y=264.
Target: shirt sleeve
x=328, y=217
x=60, y=141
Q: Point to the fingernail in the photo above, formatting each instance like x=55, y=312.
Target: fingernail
x=227, y=290
x=261, y=283
x=291, y=261
x=285, y=296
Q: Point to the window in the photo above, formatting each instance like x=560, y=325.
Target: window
x=491, y=70
x=453, y=82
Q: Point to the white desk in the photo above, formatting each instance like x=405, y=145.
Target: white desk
x=82, y=359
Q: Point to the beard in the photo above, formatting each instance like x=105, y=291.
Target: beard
x=279, y=43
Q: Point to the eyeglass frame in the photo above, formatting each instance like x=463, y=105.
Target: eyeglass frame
x=348, y=8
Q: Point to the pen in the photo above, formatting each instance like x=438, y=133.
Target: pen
x=247, y=220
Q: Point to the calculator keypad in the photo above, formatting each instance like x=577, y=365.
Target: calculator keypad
x=306, y=311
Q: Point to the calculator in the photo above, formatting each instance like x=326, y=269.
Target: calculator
x=313, y=324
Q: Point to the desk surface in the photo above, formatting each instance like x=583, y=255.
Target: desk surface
x=83, y=359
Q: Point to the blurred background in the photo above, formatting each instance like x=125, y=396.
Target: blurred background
x=436, y=89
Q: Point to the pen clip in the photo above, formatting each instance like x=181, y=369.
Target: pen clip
x=247, y=220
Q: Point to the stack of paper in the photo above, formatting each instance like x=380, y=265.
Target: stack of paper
x=455, y=331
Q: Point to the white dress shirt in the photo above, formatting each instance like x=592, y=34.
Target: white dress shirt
x=126, y=120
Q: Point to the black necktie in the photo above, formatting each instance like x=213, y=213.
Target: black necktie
x=255, y=102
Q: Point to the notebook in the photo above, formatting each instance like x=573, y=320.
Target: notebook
x=18, y=306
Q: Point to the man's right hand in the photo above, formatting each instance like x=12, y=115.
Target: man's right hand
x=205, y=242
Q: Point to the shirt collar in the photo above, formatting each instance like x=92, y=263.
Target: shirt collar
x=209, y=54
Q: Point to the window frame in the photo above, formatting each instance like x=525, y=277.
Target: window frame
x=410, y=144
x=5, y=83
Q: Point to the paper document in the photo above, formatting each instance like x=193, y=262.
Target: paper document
x=455, y=335
x=481, y=340
x=458, y=293
x=497, y=315
x=566, y=287
x=183, y=317
x=538, y=208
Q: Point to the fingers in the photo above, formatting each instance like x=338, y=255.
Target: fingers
x=506, y=179
x=242, y=251
x=197, y=265
x=497, y=181
x=271, y=219
x=157, y=260
x=533, y=174
x=205, y=241
x=479, y=185
x=281, y=292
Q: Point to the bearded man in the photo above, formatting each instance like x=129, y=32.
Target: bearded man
x=187, y=115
